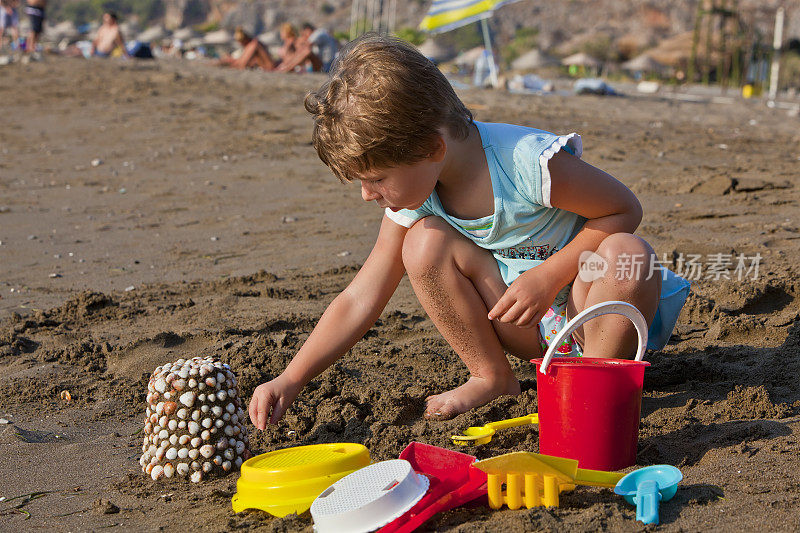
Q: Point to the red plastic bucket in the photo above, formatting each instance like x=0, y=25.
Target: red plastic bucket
x=589, y=408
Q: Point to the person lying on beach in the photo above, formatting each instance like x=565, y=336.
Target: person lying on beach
x=488, y=220
x=109, y=37
x=254, y=54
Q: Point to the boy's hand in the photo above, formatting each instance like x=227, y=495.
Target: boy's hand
x=525, y=301
x=270, y=401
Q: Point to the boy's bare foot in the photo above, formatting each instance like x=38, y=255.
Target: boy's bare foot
x=474, y=393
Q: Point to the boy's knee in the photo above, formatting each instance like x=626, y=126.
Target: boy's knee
x=425, y=244
x=625, y=247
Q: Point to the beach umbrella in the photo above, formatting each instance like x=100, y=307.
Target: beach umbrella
x=533, y=59
x=642, y=63
x=447, y=15
x=581, y=59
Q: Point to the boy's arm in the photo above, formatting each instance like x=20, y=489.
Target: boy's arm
x=609, y=207
x=343, y=323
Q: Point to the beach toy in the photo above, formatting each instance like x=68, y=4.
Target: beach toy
x=194, y=425
x=535, y=480
x=287, y=481
x=453, y=482
x=589, y=408
x=483, y=434
x=648, y=486
x=368, y=498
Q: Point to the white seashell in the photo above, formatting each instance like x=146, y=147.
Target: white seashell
x=183, y=373
x=239, y=447
x=222, y=395
x=154, y=419
x=167, y=395
x=157, y=472
x=196, y=477
x=205, y=370
x=229, y=454
x=240, y=413
x=149, y=399
x=211, y=381
x=193, y=372
x=144, y=460
x=219, y=422
x=180, y=361
x=230, y=408
x=205, y=408
x=206, y=423
x=226, y=417
x=196, y=415
x=234, y=419
x=194, y=454
x=192, y=383
x=182, y=469
x=229, y=431
x=237, y=429
x=163, y=421
x=222, y=443
x=171, y=454
x=201, y=397
x=179, y=384
x=183, y=439
x=172, y=425
x=170, y=407
x=151, y=451
x=183, y=413
x=169, y=470
x=148, y=428
x=193, y=427
x=217, y=410
x=218, y=365
x=160, y=408
x=205, y=435
x=195, y=465
x=160, y=385
x=182, y=424
x=183, y=453
x=149, y=468
x=196, y=442
x=213, y=431
x=212, y=397
x=220, y=377
x=173, y=439
x=217, y=460
x=188, y=398
x=206, y=450
x=207, y=467
x=238, y=462
x=163, y=434
x=170, y=377
x=201, y=386
x=226, y=466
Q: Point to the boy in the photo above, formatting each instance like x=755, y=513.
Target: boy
x=489, y=221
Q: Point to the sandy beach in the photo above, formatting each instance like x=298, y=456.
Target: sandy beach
x=162, y=210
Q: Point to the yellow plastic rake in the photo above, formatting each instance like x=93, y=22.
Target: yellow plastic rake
x=535, y=480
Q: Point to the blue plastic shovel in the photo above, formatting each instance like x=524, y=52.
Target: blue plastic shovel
x=648, y=486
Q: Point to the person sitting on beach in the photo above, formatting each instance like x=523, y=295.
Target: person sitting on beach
x=490, y=222
x=109, y=37
x=315, y=49
x=254, y=54
x=9, y=21
x=303, y=55
x=288, y=39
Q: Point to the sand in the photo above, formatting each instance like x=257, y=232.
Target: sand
x=207, y=225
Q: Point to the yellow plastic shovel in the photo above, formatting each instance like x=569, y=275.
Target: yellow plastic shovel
x=483, y=434
x=534, y=479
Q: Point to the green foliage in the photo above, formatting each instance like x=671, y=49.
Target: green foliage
x=412, y=35
x=463, y=38
x=600, y=48
x=207, y=27
x=83, y=11
x=342, y=36
x=524, y=39
x=790, y=70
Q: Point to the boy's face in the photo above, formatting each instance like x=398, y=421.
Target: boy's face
x=403, y=186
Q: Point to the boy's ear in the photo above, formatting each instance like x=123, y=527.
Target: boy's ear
x=439, y=150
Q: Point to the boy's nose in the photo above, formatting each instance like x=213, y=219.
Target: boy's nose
x=367, y=194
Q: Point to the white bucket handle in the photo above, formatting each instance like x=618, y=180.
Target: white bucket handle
x=603, y=308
